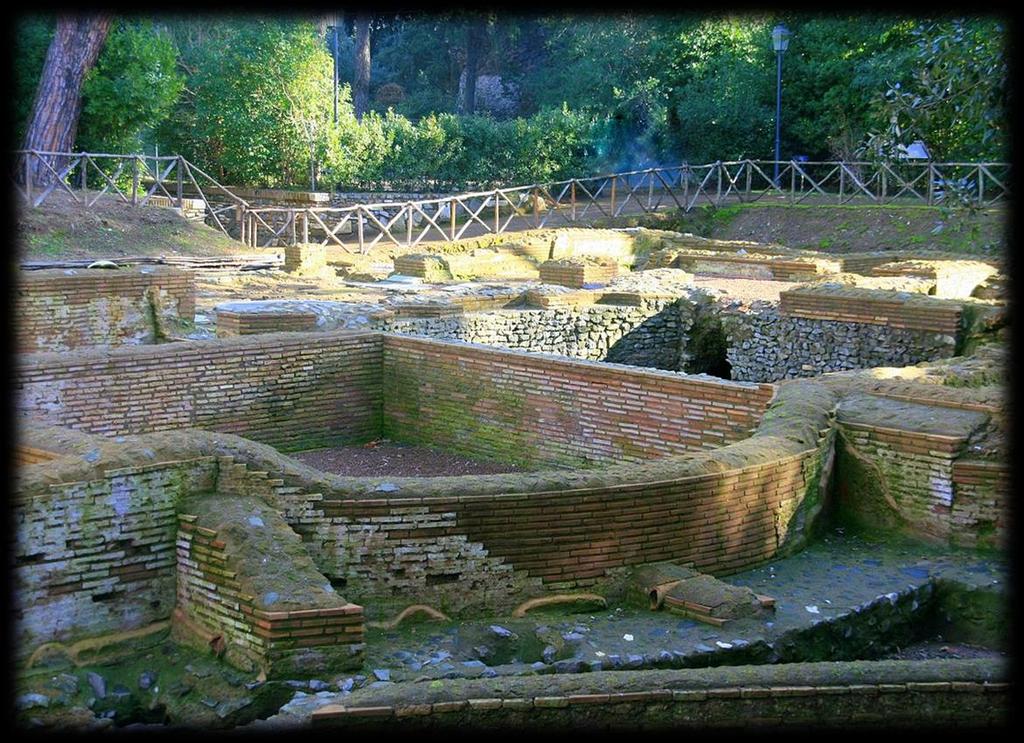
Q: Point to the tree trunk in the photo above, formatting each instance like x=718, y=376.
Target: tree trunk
x=475, y=36
x=361, y=84
x=54, y=124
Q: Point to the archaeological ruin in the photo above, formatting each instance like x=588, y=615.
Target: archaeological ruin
x=676, y=481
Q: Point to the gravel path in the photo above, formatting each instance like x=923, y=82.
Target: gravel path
x=385, y=458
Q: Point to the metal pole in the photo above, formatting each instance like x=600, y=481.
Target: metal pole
x=778, y=112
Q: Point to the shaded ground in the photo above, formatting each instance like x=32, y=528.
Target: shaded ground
x=381, y=458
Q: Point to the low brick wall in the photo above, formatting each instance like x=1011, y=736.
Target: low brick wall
x=921, y=482
x=305, y=258
x=898, y=310
x=291, y=390
x=829, y=696
x=280, y=642
x=249, y=323
x=771, y=268
x=192, y=209
x=513, y=405
x=65, y=309
x=577, y=274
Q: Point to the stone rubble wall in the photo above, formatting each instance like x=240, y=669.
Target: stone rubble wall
x=650, y=334
x=765, y=346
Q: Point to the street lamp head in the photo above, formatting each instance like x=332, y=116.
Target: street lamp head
x=780, y=38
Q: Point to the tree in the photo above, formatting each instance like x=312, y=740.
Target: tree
x=54, y=123
x=476, y=37
x=361, y=80
x=956, y=99
x=132, y=88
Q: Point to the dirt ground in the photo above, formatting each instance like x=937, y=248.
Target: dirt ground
x=63, y=229
x=385, y=458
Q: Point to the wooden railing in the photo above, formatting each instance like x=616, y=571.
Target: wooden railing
x=569, y=202
x=87, y=177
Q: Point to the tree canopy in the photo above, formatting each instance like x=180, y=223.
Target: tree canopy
x=250, y=99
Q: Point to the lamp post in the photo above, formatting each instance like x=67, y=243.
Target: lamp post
x=780, y=43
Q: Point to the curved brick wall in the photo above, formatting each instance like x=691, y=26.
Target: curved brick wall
x=485, y=538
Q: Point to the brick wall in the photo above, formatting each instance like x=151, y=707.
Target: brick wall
x=249, y=323
x=289, y=390
x=920, y=483
x=771, y=268
x=210, y=593
x=58, y=310
x=577, y=273
x=721, y=521
x=901, y=310
x=513, y=405
x=97, y=556
x=981, y=506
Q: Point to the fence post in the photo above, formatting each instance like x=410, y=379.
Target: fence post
x=83, y=178
x=981, y=186
x=614, y=179
x=536, y=208
x=749, y=171
x=685, y=176
x=135, y=180
x=650, y=188
x=792, y=182
x=305, y=227
x=572, y=188
x=885, y=185
x=451, y=217
x=931, y=184
x=408, y=226
x=359, y=228
x=181, y=179
x=28, y=176
x=240, y=219
x=842, y=182
x=292, y=216
x=718, y=192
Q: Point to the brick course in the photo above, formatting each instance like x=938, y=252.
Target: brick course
x=59, y=310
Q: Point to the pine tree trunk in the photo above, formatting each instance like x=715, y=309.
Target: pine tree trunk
x=54, y=124
x=361, y=83
x=474, y=39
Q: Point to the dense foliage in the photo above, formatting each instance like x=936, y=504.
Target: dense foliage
x=251, y=99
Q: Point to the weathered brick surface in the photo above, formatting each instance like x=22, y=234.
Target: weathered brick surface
x=502, y=404
x=720, y=522
x=98, y=557
x=981, y=504
x=58, y=309
x=901, y=310
x=290, y=390
x=577, y=273
x=248, y=323
x=211, y=594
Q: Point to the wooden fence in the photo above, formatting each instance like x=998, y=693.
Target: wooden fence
x=570, y=202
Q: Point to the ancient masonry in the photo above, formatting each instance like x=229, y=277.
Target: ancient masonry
x=142, y=465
